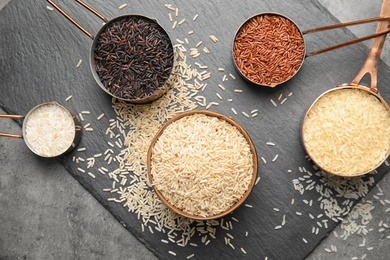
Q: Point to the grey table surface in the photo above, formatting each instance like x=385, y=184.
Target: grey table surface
x=63, y=221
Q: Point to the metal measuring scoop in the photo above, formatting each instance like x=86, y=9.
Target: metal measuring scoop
x=370, y=67
x=69, y=113
x=161, y=90
x=283, y=58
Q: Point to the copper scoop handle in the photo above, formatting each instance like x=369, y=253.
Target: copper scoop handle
x=364, y=38
x=11, y=135
x=74, y=21
x=371, y=64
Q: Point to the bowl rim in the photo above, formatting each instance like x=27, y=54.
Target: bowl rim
x=239, y=128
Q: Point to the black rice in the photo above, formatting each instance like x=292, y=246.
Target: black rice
x=133, y=57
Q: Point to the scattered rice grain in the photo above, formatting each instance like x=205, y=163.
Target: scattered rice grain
x=92, y=175
x=100, y=116
x=213, y=38
x=181, y=21
x=245, y=114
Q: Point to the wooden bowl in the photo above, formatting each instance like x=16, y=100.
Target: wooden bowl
x=245, y=135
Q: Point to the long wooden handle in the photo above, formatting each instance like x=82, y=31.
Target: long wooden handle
x=371, y=64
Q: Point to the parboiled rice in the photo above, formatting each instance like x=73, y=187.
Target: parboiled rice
x=347, y=132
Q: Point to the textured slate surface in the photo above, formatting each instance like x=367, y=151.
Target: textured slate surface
x=39, y=52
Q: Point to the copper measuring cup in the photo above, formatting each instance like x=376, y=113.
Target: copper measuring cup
x=244, y=66
x=69, y=113
x=370, y=67
x=162, y=89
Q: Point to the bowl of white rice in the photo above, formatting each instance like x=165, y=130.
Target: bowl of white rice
x=202, y=164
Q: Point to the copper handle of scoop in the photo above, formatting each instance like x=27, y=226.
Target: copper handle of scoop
x=371, y=64
x=11, y=135
x=329, y=27
x=74, y=21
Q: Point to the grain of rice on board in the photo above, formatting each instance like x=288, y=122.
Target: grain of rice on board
x=347, y=132
x=202, y=164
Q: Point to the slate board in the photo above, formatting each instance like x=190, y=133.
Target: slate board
x=39, y=50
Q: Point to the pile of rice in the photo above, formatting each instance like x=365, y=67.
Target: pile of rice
x=202, y=165
x=347, y=132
